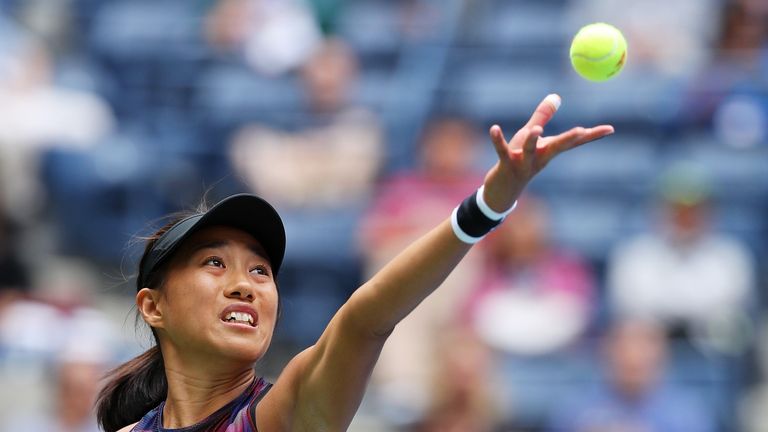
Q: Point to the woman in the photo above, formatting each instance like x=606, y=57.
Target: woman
x=207, y=288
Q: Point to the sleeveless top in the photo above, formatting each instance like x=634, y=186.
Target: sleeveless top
x=236, y=416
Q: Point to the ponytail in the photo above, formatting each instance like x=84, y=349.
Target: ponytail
x=139, y=385
x=133, y=388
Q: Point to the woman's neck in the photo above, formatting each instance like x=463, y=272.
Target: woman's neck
x=195, y=394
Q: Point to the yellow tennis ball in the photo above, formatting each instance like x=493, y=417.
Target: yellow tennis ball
x=598, y=52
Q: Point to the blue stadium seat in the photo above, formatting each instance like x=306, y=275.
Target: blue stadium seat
x=116, y=187
x=84, y=75
x=713, y=377
x=231, y=94
x=493, y=91
x=143, y=28
x=745, y=221
x=636, y=101
x=509, y=26
x=737, y=173
x=314, y=293
x=322, y=267
x=534, y=384
x=375, y=89
x=591, y=225
x=622, y=165
x=372, y=29
x=153, y=50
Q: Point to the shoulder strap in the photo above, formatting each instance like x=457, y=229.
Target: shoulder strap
x=255, y=402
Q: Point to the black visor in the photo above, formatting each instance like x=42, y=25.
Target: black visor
x=245, y=212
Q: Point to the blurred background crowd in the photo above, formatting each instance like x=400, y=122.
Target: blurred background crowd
x=625, y=294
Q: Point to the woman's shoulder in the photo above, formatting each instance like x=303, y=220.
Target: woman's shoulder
x=128, y=428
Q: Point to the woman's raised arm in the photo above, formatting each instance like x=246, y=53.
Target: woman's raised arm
x=322, y=387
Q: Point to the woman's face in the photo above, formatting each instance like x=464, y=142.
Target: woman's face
x=219, y=298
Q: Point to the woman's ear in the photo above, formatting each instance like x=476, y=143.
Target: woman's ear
x=148, y=305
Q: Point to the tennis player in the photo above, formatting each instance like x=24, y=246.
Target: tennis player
x=207, y=287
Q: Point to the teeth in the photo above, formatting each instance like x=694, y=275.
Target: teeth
x=239, y=317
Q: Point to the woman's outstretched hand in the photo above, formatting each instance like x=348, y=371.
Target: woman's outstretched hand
x=528, y=152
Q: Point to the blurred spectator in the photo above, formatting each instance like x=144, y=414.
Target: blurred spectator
x=531, y=297
x=319, y=169
x=333, y=157
x=409, y=203
x=743, y=34
x=696, y=281
x=35, y=115
x=15, y=278
x=66, y=282
x=53, y=351
x=274, y=36
x=675, y=43
x=463, y=398
x=75, y=388
x=49, y=19
x=406, y=206
x=82, y=357
x=14, y=274
x=735, y=77
x=633, y=397
x=62, y=289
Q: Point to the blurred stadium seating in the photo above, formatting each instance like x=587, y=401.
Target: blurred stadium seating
x=178, y=101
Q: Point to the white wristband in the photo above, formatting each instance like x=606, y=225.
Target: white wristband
x=464, y=237
x=489, y=212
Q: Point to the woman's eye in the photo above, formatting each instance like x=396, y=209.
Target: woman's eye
x=262, y=270
x=214, y=261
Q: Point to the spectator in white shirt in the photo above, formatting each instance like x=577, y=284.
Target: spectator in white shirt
x=685, y=274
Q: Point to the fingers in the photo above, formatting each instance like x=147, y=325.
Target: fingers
x=575, y=137
x=598, y=132
x=529, y=146
x=545, y=111
x=529, y=140
x=590, y=134
x=499, y=142
x=525, y=139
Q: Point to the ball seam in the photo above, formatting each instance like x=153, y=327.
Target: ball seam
x=603, y=57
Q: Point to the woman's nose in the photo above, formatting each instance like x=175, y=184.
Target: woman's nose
x=241, y=288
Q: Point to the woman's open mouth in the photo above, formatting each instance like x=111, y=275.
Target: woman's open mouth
x=239, y=316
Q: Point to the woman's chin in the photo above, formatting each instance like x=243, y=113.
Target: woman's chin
x=245, y=351
x=239, y=342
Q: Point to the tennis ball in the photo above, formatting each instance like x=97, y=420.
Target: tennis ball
x=598, y=52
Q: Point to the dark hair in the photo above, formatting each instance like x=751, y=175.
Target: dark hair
x=138, y=385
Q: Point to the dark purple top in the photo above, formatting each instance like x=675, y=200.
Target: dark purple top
x=236, y=416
